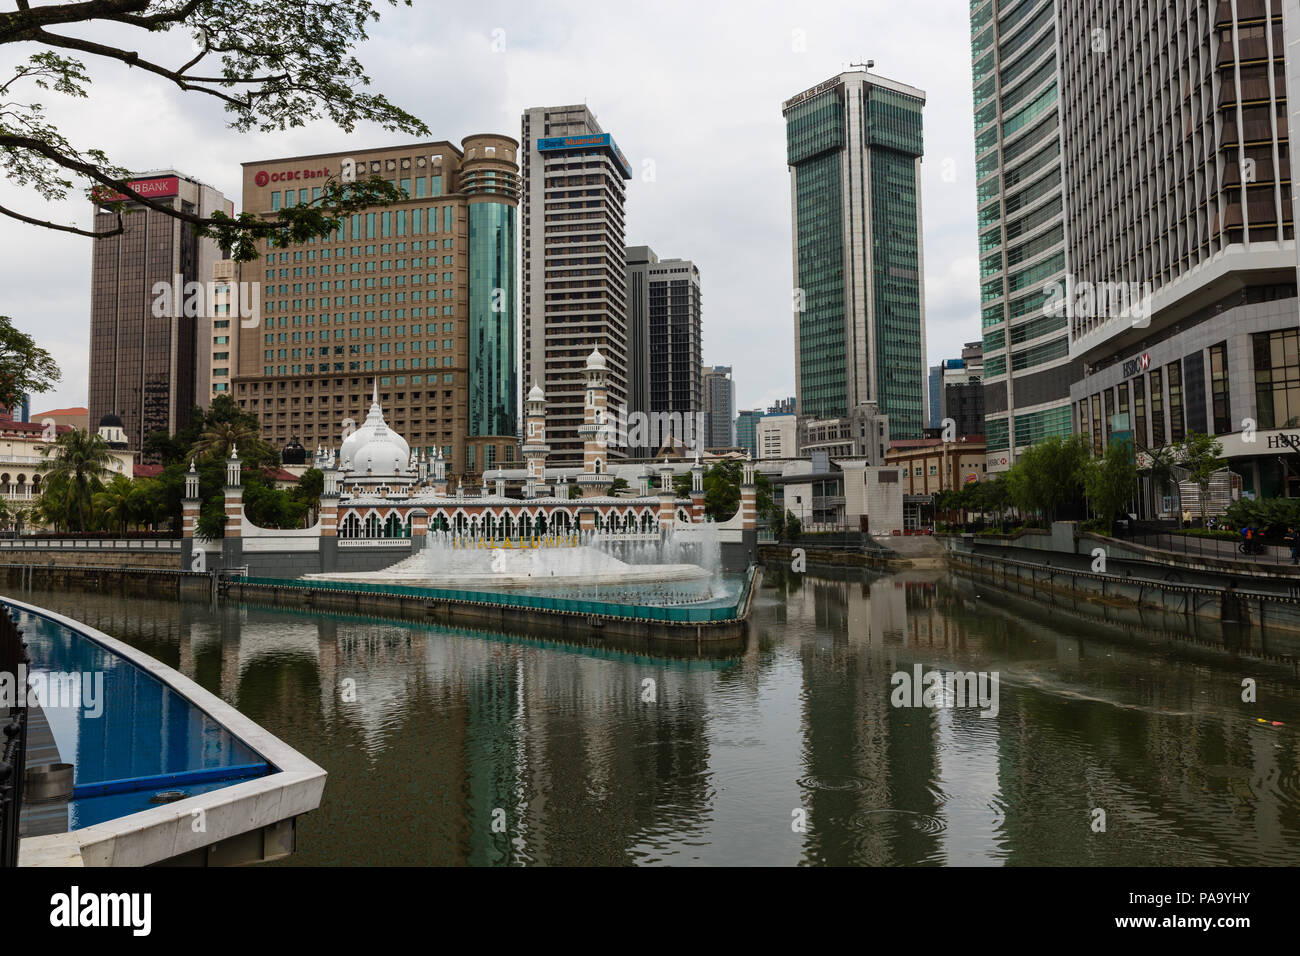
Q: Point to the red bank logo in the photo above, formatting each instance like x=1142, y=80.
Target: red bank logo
x=262, y=177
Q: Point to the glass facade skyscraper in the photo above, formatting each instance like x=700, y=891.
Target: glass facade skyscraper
x=1027, y=371
x=854, y=145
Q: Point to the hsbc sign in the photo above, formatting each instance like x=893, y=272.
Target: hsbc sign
x=1135, y=366
x=262, y=177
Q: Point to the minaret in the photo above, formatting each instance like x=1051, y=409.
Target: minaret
x=595, y=478
x=440, y=475
x=535, y=447
x=697, y=491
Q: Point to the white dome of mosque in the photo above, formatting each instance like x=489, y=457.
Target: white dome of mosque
x=595, y=359
x=537, y=395
x=374, y=448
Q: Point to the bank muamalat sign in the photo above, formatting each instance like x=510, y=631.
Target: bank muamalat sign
x=262, y=177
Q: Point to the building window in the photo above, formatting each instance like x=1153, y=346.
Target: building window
x=1157, y=409
x=1139, y=413
x=1177, y=429
x=1222, y=415
x=1277, y=378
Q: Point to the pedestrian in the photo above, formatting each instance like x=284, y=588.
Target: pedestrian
x=1187, y=518
x=1293, y=539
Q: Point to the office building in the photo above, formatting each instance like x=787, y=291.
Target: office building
x=150, y=329
x=663, y=355
x=1187, y=250
x=746, y=435
x=777, y=436
x=719, y=407
x=1027, y=366
x=863, y=433
x=416, y=299
x=854, y=148
x=574, y=266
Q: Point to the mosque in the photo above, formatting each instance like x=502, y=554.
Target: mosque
x=377, y=493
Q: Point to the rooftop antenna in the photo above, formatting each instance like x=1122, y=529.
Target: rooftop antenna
x=869, y=65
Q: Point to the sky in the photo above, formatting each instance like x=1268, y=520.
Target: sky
x=691, y=91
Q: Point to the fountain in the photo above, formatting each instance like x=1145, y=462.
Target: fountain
x=555, y=564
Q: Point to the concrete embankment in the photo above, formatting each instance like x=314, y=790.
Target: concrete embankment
x=895, y=553
x=1260, y=600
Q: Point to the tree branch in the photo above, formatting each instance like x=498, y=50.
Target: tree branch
x=72, y=229
x=132, y=59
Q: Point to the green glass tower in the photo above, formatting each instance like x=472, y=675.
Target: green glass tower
x=854, y=147
x=492, y=187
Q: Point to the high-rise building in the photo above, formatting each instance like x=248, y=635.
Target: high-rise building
x=854, y=147
x=149, y=324
x=935, y=395
x=417, y=298
x=574, y=266
x=1027, y=367
x=746, y=430
x=1180, y=216
x=719, y=407
x=663, y=356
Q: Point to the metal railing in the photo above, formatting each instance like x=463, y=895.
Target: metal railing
x=14, y=661
x=91, y=544
x=1258, y=551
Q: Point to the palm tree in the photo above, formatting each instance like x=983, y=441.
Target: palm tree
x=221, y=438
x=81, y=459
x=115, y=505
x=6, y=515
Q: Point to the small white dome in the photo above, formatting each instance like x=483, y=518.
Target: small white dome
x=595, y=359
x=536, y=395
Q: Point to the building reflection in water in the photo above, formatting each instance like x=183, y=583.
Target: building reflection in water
x=463, y=747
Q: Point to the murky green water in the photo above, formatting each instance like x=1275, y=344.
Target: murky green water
x=463, y=747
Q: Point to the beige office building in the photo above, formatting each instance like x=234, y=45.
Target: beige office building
x=417, y=299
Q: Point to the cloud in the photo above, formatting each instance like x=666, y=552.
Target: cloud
x=693, y=90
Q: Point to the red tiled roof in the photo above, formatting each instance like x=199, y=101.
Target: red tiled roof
x=62, y=411
x=147, y=471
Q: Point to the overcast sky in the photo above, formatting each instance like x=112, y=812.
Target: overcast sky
x=691, y=91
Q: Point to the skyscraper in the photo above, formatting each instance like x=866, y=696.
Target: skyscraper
x=1182, y=298
x=574, y=266
x=664, y=372
x=146, y=363
x=1027, y=368
x=854, y=148
x=719, y=407
x=746, y=430
x=418, y=298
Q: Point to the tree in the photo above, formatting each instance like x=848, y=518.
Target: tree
x=620, y=484
x=82, y=460
x=226, y=427
x=272, y=66
x=114, y=505
x=793, y=526
x=1160, y=466
x=1110, y=480
x=25, y=369
x=1049, y=475
x=1199, y=454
